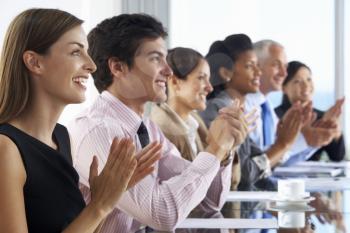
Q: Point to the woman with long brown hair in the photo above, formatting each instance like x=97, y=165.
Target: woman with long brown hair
x=44, y=66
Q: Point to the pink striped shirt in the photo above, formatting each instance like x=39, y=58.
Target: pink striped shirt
x=164, y=198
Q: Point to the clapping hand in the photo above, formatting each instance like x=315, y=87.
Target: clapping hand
x=146, y=159
x=108, y=186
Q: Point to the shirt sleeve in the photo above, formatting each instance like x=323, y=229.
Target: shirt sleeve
x=300, y=151
x=210, y=113
x=218, y=191
x=165, y=197
x=254, y=164
x=97, y=142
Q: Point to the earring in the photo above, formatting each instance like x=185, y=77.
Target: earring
x=228, y=79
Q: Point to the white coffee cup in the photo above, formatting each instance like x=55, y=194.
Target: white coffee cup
x=292, y=189
x=291, y=219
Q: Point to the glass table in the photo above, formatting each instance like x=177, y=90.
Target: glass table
x=248, y=212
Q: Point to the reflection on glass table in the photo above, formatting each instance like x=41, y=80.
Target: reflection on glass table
x=324, y=214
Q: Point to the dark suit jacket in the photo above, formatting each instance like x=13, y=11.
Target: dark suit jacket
x=248, y=152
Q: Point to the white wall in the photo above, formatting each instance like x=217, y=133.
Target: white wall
x=10, y=8
x=305, y=30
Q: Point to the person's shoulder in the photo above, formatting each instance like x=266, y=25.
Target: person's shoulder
x=255, y=98
x=152, y=125
x=279, y=111
x=9, y=153
x=155, y=130
x=61, y=128
x=158, y=113
x=12, y=168
x=8, y=137
x=167, y=119
x=217, y=102
x=84, y=127
x=6, y=144
x=97, y=111
x=89, y=118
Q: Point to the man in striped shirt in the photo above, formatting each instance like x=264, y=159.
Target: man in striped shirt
x=130, y=54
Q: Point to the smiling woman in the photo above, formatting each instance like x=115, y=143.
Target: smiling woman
x=299, y=86
x=187, y=90
x=235, y=73
x=71, y=64
x=44, y=65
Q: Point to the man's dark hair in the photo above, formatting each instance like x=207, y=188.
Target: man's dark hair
x=119, y=37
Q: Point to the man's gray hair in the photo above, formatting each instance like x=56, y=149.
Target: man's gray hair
x=261, y=48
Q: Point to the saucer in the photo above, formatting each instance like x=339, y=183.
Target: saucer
x=305, y=199
x=286, y=208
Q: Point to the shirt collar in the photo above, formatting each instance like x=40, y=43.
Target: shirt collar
x=131, y=121
x=258, y=98
x=192, y=124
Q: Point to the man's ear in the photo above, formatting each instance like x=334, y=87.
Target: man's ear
x=32, y=61
x=117, y=68
x=225, y=74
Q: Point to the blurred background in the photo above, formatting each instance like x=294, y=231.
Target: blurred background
x=316, y=32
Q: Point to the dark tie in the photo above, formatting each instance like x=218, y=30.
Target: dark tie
x=142, y=133
x=267, y=124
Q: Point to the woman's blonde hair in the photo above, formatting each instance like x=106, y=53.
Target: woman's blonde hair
x=35, y=30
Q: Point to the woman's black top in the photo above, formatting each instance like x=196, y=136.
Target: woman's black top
x=335, y=149
x=51, y=193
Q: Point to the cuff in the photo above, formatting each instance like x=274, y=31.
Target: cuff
x=263, y=163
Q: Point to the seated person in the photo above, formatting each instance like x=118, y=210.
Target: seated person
x=130, y=53
x=187, y=90
x=43, y=65
x=234, y=71
x=298, y=86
